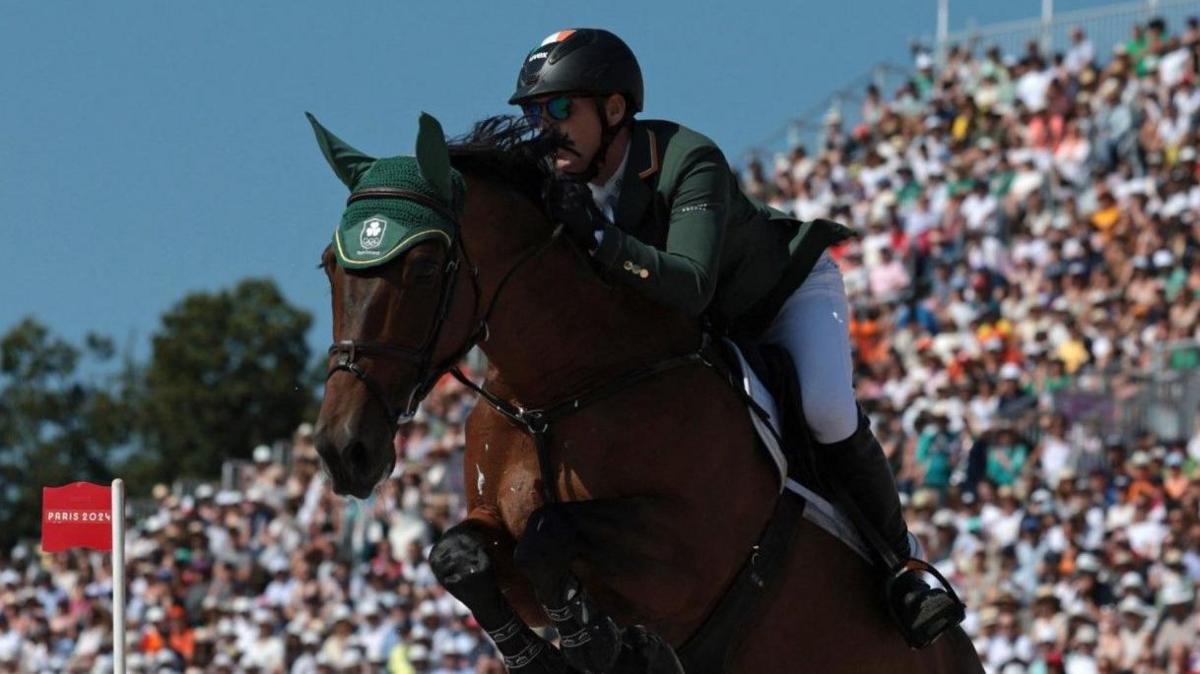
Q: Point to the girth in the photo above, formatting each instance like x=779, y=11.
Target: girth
x=712, y=647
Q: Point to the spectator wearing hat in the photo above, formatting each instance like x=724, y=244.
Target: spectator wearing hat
x=376, y=633
x=283, y=585
x=1088, y=586
x=153, y=637
x=1134, y=632
x=1047, y=616
x=1131, y=585
x=1180, y=625
x=341, y=636
x=266, y=651
x=1170, y=569
x=1009, y=642
x=433, y=626
x=1080, y=657
x=416, y=657
x=941, y=544
x=1147, y=532
x=305, y=661
x=453, y=662
x=1175, y=481
x=1047, y=651
x=1142, y=481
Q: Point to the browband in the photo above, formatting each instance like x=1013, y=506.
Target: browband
x=397, y=193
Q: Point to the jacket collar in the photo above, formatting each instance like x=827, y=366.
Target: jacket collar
x=642, y=166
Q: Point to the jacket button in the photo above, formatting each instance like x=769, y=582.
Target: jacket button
x=628, y=265
x=644, y=273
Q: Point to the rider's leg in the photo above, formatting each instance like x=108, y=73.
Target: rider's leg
x=813, y=326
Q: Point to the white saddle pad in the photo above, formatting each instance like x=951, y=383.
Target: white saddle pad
x=817, y=510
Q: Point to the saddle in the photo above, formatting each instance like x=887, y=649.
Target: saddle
x=772, y=367
x=766, y=377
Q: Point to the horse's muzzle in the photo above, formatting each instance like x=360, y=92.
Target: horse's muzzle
x=355, y=465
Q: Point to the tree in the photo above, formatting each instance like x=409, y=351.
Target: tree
x=57, y=425
x=227, y=372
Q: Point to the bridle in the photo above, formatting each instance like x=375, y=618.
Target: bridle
x=347, y=351
x=537, y=422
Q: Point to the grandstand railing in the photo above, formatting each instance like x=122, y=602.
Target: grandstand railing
x=807, y=126
x=1105, y=26
x=1163, y=400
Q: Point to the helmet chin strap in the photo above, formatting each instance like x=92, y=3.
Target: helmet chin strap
x=608, y=133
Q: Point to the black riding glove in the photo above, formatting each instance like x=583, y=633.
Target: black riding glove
x=570, y=202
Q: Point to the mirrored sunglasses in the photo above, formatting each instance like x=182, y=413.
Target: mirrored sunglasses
x=557, y=109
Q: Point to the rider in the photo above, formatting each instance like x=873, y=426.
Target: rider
x=663, y=212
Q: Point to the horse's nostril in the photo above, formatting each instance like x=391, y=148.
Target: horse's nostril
x=357, y=458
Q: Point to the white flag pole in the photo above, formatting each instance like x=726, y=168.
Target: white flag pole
x=118, y=574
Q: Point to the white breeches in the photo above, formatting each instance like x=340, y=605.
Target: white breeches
x=813, y=325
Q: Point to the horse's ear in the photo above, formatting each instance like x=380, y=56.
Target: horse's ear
x=348, y=163
x=433, y=157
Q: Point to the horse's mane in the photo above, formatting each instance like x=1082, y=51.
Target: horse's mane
x=506, y=149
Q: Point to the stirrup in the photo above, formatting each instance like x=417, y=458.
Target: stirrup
x=934, y=626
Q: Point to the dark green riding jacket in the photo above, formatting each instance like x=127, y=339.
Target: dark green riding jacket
x=687, y=236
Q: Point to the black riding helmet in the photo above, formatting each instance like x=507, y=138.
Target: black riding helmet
x=584, y=61
x=581, y=61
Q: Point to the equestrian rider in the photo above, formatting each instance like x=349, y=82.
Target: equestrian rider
x=659, y=209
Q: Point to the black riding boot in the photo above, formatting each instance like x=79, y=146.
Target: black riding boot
x=861, y=472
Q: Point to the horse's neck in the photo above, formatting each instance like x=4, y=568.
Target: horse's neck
x=556, y=326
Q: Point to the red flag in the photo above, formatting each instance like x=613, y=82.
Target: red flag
x=78, y=515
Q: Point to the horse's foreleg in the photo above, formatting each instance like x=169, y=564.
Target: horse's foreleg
x=590, y=639
x=461, y=562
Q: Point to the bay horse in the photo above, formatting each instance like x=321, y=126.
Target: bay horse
x=624, y=526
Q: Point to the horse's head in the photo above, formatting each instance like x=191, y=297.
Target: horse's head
x=393, y=268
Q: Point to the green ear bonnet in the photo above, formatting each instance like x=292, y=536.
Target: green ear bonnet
x=375, y=230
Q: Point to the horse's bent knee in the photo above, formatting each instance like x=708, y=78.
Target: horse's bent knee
x=548, y=545
x=460, y=558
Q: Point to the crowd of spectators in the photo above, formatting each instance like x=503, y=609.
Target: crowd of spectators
x=1030, y=259
x=1031, y=243
x=279, y=576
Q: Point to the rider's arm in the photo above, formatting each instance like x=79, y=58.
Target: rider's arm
x=684, y=275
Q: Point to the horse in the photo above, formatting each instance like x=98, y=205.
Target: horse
x=623, y=525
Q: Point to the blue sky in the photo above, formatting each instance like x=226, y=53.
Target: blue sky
x=151, y=149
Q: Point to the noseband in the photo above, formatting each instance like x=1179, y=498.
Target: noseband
x=428, y=373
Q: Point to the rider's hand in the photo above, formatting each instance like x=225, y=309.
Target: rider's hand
x=570, y=202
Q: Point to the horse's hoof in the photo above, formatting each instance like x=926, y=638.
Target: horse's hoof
x=644, y=652
x=593, y=649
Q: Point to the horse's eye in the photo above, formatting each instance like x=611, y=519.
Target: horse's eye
x=423, y=272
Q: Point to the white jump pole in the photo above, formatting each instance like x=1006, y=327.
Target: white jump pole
x=118, y=575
